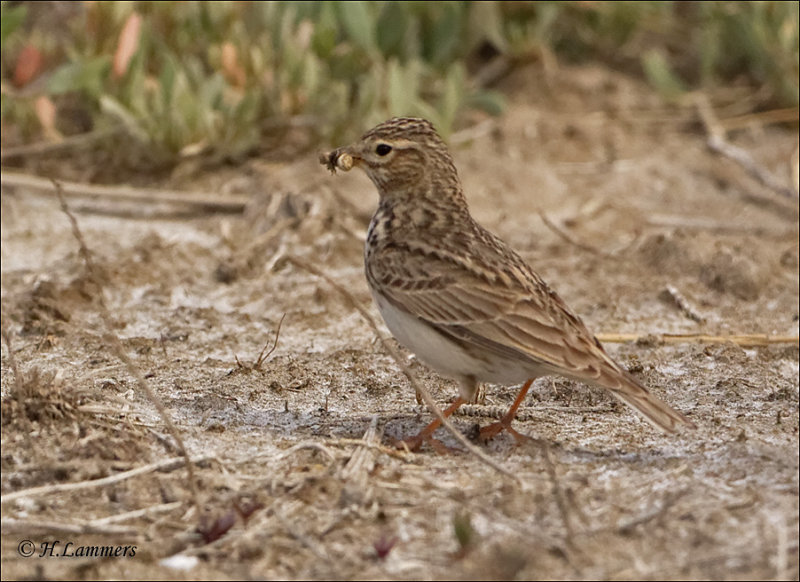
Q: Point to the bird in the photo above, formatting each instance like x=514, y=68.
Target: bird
x=457, y=296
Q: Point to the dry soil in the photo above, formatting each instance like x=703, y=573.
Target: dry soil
x=287, y=488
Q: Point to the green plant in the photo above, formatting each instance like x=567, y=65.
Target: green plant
x=223, y=78
x=206, y=76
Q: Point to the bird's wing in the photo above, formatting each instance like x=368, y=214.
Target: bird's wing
x=509, y=311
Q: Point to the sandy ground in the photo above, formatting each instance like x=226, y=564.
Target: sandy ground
x=297, y=477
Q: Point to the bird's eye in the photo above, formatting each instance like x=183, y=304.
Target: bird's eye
x=383, y=149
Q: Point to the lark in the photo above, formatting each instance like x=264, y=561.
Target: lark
x=460, y=298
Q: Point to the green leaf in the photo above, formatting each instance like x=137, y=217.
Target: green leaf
x=117, y=110
x=166, y=81
x=10, y=20
x=323, y=40
x=358, y=23
x=446, y=33
x=464, y=532
x=660, y=75
x=452, y=97
x=403, y=86
x=485, y=23
x=391, y=28
x=87, y=76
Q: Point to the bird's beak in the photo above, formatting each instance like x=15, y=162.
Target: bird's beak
x=343, y=158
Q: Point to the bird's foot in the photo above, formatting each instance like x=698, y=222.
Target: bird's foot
x=490, y=431
x=414, y=443
x=426, y=434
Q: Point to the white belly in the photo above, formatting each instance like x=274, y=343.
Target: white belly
x=446, y=356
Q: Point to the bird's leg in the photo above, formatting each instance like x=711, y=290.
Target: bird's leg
x=479, y=395
x=426, y=434
x=492, y=430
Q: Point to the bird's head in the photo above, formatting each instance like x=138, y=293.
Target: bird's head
x=401, y=156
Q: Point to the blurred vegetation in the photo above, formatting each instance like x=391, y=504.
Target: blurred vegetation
x=227, y=78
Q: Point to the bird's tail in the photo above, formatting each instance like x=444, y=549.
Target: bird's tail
x=655, y=411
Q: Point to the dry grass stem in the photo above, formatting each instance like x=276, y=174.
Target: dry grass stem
x=718, y=143
x=628, y=525
x=314, y=547
x=672, y=294
x=523, y=414
x=782, y=550
x=263, y=356
x=19, y=381
x=355, y=474
x=72, y=142
x=389, y=451
x=561, y=498
x=137, y=513
x=710, y=224
x=745, y=340
x=761, y=118
x=13, y=525
x=200, y=201
x=362, y=460
x=568, y=238
x=306, y=445
x=163, y=465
